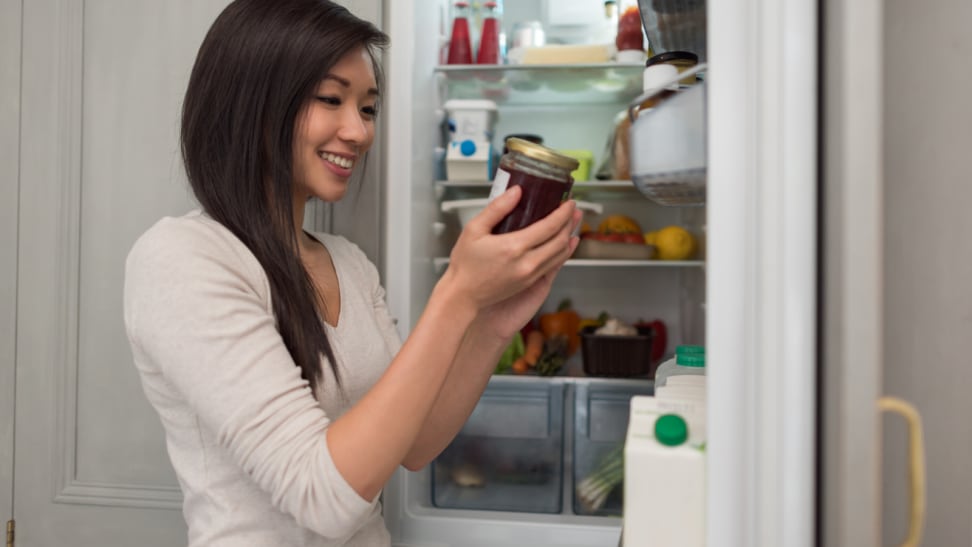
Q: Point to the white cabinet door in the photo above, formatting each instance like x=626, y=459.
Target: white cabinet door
x=9, y=165
x=102, y=85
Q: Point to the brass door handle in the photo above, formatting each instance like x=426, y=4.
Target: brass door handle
x=916, y=465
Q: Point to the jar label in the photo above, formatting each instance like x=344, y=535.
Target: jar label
x=500, y=183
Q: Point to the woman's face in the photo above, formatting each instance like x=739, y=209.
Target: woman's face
x=336, y=128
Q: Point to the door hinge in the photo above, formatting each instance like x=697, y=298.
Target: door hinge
x=10, y=533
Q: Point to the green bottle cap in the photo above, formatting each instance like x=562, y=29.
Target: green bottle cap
x=671, y=430
x=690, y=350
x=690, y=360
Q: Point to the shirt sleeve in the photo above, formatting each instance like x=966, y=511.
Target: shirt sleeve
x=197, y=309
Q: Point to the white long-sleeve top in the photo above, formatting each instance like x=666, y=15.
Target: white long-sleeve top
x=247, y=439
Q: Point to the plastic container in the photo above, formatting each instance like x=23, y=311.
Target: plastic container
x=509, y=454
x=616, y=356
x=675, y=25
x=688, y=360
x=586, y=159
x=601, y=413
x=653, y=74
x=668, y=145
x=466, y=209
x=469, y=152
x=542, y=173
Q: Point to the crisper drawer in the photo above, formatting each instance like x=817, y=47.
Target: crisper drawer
x=600, y=426
x=509, y=455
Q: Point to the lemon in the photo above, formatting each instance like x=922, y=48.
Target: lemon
x=674, y=243
x=650, y=238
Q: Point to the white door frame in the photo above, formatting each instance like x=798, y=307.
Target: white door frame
x=761, y=273
x=852, y=359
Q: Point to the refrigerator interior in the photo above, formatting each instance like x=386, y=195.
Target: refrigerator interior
x=560, y=426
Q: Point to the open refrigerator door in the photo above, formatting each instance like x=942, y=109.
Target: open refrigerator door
x=538, y=461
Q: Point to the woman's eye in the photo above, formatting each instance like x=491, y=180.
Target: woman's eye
x=331, y=101
x=370, y=111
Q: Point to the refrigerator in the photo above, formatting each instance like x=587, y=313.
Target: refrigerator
x=752, y=295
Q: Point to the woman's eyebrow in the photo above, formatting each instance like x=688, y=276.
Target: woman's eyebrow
x=344, y=82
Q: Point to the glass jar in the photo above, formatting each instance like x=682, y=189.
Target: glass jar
x=681, y=60
x=542, y=173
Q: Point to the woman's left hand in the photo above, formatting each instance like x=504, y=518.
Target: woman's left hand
x=506, y=318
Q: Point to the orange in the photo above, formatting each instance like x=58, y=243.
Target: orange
x=618, y=224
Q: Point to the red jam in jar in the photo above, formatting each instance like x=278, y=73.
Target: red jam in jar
x=542, y=173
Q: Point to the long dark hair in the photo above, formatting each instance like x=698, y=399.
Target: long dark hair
x=259, y=64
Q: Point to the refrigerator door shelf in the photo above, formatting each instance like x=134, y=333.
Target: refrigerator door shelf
x=668, y=149
x=564, y=84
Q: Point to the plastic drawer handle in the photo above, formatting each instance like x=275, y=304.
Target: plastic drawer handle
x=916, y=455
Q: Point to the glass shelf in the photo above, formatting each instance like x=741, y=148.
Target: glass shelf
x=590, y=190
x=543, y=84
x=441, y=262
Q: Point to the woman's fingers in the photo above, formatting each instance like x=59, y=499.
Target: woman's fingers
x=498, y=266
x=496, y=210
x=550, y=225
x=549, y=255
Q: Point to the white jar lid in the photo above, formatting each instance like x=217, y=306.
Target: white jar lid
x=655, y=75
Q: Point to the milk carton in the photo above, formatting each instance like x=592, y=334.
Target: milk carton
x=664, y=473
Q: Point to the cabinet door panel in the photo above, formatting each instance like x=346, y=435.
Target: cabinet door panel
x=9, y=166
x=102, y=88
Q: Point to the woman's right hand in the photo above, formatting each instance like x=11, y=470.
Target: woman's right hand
x=489, y=268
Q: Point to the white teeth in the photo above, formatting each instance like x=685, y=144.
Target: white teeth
x=338, y=160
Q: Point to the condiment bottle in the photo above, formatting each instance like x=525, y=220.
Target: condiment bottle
x=489, y=40
x=542, y=173
x=630, y=40
x=653, y=75
x=460, y=46
x=681, y=60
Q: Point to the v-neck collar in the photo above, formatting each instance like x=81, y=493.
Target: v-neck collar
x=340, y=282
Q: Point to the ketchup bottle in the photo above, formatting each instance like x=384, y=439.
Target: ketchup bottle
x=489, y=46
x=629, y=30
x=460, y=48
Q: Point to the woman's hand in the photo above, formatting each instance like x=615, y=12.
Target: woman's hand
x=491, y=269
x=504, y=319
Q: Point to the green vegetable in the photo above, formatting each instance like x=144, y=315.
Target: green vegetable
x=512, y=352
x=554, y=355
x=593, y=491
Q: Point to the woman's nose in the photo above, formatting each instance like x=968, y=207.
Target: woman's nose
x=354, y=128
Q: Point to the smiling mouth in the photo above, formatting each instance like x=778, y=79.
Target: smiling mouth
x=342, y=162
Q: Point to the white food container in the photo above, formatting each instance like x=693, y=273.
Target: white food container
x=466, y=209
x=668, y=149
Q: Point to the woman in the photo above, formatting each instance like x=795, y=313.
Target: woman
x=287, y=398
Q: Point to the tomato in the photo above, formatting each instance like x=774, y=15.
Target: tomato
x=659, y=338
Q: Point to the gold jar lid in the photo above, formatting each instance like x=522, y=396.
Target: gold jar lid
x=541, y=153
